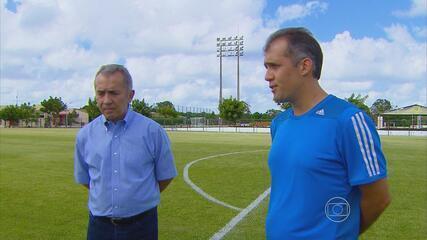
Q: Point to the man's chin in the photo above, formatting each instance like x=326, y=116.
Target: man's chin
x=109, y=117
x=278, y=101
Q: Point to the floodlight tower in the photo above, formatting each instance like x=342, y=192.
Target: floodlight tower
x=229, y=47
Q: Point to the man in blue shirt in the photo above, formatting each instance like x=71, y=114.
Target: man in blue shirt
x=328, y=173
x=125, y=161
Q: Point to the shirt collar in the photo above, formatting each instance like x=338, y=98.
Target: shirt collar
x=126, y=120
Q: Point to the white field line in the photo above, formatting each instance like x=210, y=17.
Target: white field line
x=203, y=193
x=243, y=212
x=230, y=225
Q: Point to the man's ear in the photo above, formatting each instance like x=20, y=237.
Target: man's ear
x=306, y=66
x=131, y=95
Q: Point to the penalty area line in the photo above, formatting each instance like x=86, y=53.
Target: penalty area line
x=203, y=193
x=233, y=222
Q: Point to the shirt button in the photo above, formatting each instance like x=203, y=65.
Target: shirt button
x=115, y=189
x=116, y=206
x=115, y=171
x=115, y=136
x=115, y=153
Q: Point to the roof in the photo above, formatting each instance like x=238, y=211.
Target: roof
x=415, y=109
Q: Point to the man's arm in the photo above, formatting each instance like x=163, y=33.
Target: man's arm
x=164, y=161
x=163, y=184
x=375, y=199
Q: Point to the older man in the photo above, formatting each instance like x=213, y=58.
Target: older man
x=328, y=173
x=125, y=161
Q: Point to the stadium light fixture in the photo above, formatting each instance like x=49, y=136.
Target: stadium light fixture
x=229, y=47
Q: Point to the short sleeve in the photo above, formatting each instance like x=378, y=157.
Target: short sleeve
x=272, y=129
x=164, y=160
x=81, y=174
x=360, y=148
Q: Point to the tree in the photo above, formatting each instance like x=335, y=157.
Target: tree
x=71, y=117
x=232, y=110
x=271, y=113
x=380, y=106
x=28, y=113
x=10, y=113
x=92, y=109
x=359, y=101
x=53, y=106
x=210, y=115
x=14, y=113
x=142, y=107
x=257, y=116
x=285, y=105
x=166, y=109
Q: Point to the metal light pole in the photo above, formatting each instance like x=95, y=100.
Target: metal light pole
x=229, y=47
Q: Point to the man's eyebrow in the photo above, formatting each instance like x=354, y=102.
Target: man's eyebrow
x=107, y=90
x=270, y=63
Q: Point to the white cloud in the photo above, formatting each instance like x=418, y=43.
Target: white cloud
x=418, y=8
x=76, y=58
x=287, y=13
x=167, y=70
x=34, y=91
x=399, y=58
x=347, y=86
x=164, y=45
x=420, y=31
x=399, y=33
x=401, y=94
x=422, y=95
x=40, y=15
x=169, y=49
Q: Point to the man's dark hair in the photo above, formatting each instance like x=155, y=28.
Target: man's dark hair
x=301, y=44
x=112, y=68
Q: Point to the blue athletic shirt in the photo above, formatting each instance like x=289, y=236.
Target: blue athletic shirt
x=316, y=161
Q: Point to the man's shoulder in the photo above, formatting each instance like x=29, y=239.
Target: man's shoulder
x=340, y=109
x=143, y=121
x=87, y=128
x=282, y=116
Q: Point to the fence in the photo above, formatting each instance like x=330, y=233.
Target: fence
x=394, y=127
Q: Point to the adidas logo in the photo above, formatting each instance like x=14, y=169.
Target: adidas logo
x=320, y=112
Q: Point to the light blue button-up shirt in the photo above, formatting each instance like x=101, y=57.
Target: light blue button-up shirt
x=122, y=162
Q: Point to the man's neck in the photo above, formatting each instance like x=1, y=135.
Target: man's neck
x=309, y=96
x=115, y=121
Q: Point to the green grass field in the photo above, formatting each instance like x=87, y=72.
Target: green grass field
x=39, y=199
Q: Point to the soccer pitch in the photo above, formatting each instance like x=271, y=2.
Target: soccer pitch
x=39, y=199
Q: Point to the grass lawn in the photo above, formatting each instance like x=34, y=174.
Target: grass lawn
x=39, y=199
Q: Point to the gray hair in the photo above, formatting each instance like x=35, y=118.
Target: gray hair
x=109, y=69
x=301, y=44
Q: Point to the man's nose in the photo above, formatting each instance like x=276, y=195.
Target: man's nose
x=268, y=76
x=107, y=99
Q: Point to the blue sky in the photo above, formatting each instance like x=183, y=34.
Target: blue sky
x=53, y=48
x=361, y=17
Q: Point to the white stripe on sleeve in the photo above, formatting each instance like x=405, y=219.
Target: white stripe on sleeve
x=366, y=144
x=361, y=146
x=371, y=141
